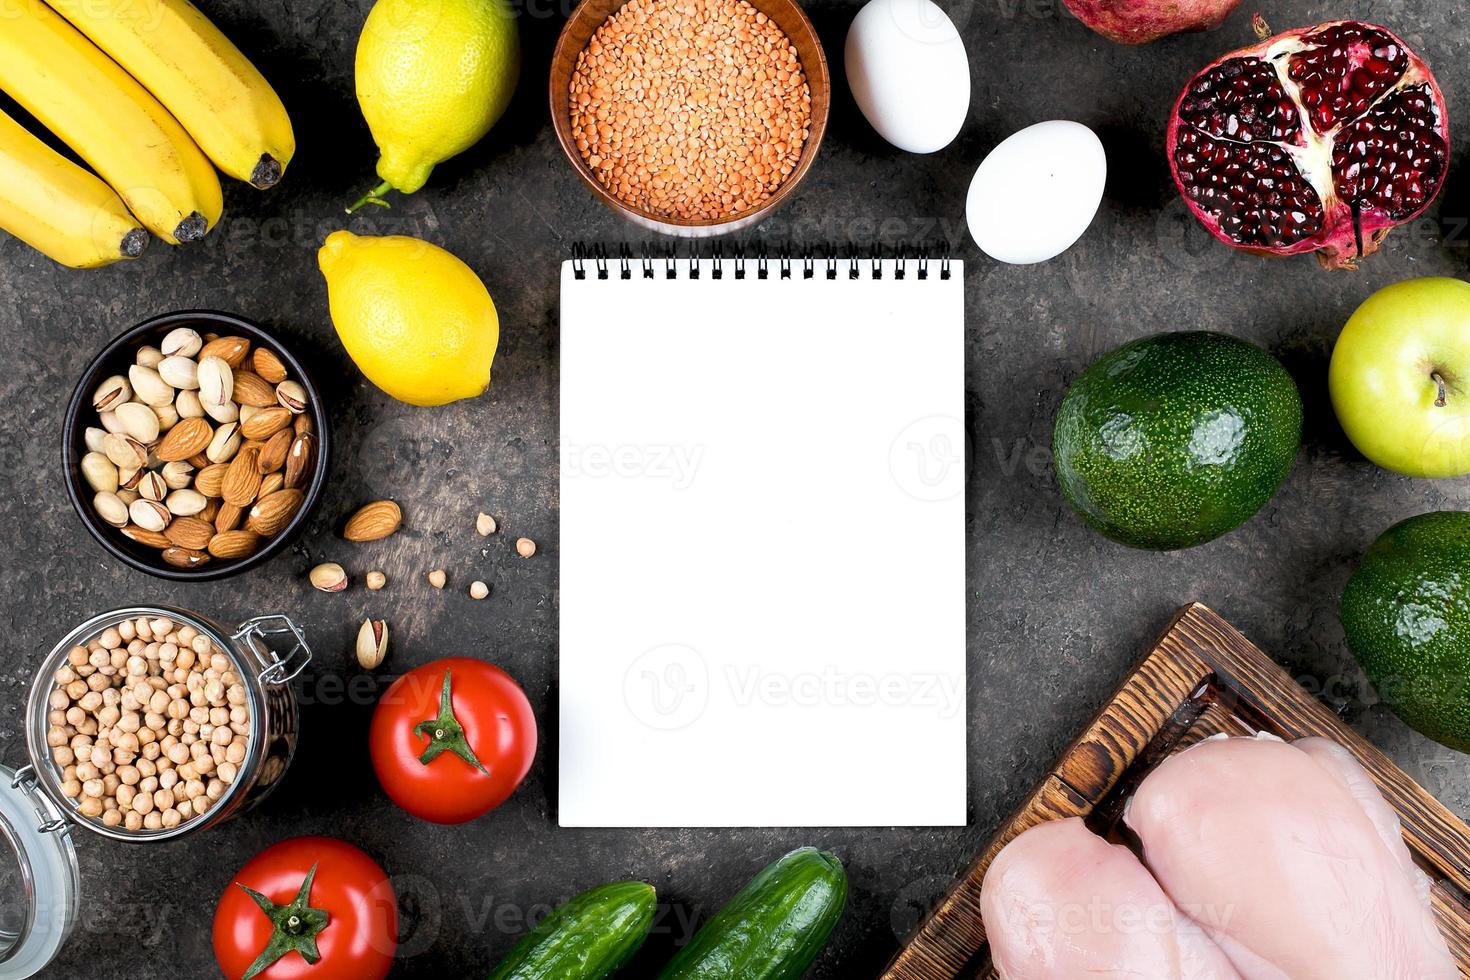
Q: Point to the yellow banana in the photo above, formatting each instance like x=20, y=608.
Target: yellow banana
x=58, y=208
x=110, y=120
x=211, y=88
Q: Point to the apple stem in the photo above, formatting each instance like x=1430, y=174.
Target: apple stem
x=1439, y=402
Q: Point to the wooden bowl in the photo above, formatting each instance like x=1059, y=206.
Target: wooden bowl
x=788, y=15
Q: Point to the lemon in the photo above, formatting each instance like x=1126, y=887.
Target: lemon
x=432, y=77
x=415, y=319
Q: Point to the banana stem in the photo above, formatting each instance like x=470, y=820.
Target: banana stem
x=374, y=196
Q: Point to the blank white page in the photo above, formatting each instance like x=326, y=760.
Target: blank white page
x=762, y=595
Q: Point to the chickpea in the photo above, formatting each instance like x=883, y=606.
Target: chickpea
x=147, y=768
x=88, y=728
x=148, y=784
x=158, y=703
x=137, y=666
x=109, y=715
x=133, y=820
x=98, y=682
x=86, y=771
x=227, y=772
x=205, y=764
x=162, y=626
x=71, y=789
x=128, y=775
x=171, y=818
x=201, y=645
x=178, y=754
x=163, y=799
x=143, y=802
x=214, y=789
x=144, y=630
x=235, y=752
x=112, y=817
x=129, y=722
x=168, y=652
x=155, y=721
x=153, y=821
x=56, y=736
x=126, y=631
x=124, y=795
x=185, y=808
x=178, y=708
x=110, y=784
x=62, y=755
x=76, y=689
x=99, y=658
x=90, y=807
x=117, y=659
x=100, y=756
x=235, y=694
x=167, y=781
x=76, y=656
x=58, y=699
x=110, y=638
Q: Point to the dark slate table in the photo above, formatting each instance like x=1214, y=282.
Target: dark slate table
x=1056, y=613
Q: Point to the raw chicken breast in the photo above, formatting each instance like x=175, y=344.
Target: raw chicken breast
x=1274, y=856
x=1344, y=767
x=1061, y=903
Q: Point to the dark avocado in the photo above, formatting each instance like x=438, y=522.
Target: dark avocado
x=1173, y=440
x=1406, y=613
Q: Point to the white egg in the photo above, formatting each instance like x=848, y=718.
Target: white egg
x=907, y=69
x=1035, y=194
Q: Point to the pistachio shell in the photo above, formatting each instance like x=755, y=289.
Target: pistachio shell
x=150, y=515
x=111, y=393
x=93, y=438
x=110, y=508
x=179, y=372
x=138, y=421
x=149, y=387
x=99, y=472
x=187, y=405
x=181, y=342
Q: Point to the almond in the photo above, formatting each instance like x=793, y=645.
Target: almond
x=268, y=366
x=228, y=517
x=273, y=453
x=211, y=479
x=184, y=557
x=266, y=423
x=189, y=532
x=188, y=438
x=373, y=522
x=299, y=461
x=242, y=479
x=210, y=511
x=269, y=484
x=200, y=460
x=270, y=515
x=252, y=389
x=234, y=544
x=303, y=424
x=231, y=350
x=152, y=539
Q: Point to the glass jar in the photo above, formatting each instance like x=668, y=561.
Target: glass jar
x=36, y=818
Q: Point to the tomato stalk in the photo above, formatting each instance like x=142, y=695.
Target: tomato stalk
x=294, y=926
x=446, y=734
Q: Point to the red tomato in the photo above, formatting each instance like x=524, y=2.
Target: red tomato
x=451, y=740
x=361, y=931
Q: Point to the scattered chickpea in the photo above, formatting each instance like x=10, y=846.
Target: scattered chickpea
x=437, y=578
x=525, y=547
x=376, y=580
x=485, y=524
x=479, y=590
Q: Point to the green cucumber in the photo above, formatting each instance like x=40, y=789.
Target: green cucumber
x=774, y=928
x=588, y=938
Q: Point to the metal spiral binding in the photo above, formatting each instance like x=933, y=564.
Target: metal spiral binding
x=830, y=258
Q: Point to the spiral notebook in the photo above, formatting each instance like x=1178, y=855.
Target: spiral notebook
x=762, y=595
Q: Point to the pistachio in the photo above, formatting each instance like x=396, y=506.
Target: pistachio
x=525, y=547
x=150, y=515
x=127, y=496
x=148, y=357
x=124, y=450
x=328, y=577
x=99, y=472
x=181, y=342
x=177, y=474
x=216, y=383
x=228, y=412
x=138, y=421
x=110, y=508
x=291, y=395
x=111, y=393
x=376, y=580
x=128, y=477
x=226, y=442
x=180, y=372
x=248, y=412
x=187, y=405
x=168, y=417
x=437, y=578
x=372, y=643
x=93, y=437
x=149, y=387
x=152, y=487
x=186, y=503
x=479, y=590
x=485, y=524
x=109, y=421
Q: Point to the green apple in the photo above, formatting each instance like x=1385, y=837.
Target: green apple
x=1400, y=377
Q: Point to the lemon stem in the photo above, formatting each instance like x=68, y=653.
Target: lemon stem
x=374, y=196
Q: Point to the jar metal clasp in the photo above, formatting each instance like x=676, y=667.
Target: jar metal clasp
x=257, y=634
x=25, y=780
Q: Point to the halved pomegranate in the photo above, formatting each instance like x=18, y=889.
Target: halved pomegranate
x=1315, y=140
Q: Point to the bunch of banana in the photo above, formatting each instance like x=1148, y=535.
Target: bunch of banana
x=147, y=93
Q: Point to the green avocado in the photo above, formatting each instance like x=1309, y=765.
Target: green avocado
x=1173, y=440
x=1406, y=614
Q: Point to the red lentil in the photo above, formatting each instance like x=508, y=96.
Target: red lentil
x=690, y=109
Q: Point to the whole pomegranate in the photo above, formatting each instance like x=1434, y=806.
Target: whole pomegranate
x=1142, y=21
x=1316, y=140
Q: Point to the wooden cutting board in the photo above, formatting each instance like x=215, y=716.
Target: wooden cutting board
x=1202, y=678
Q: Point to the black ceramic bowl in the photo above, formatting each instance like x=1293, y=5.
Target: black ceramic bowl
x=115, y=359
